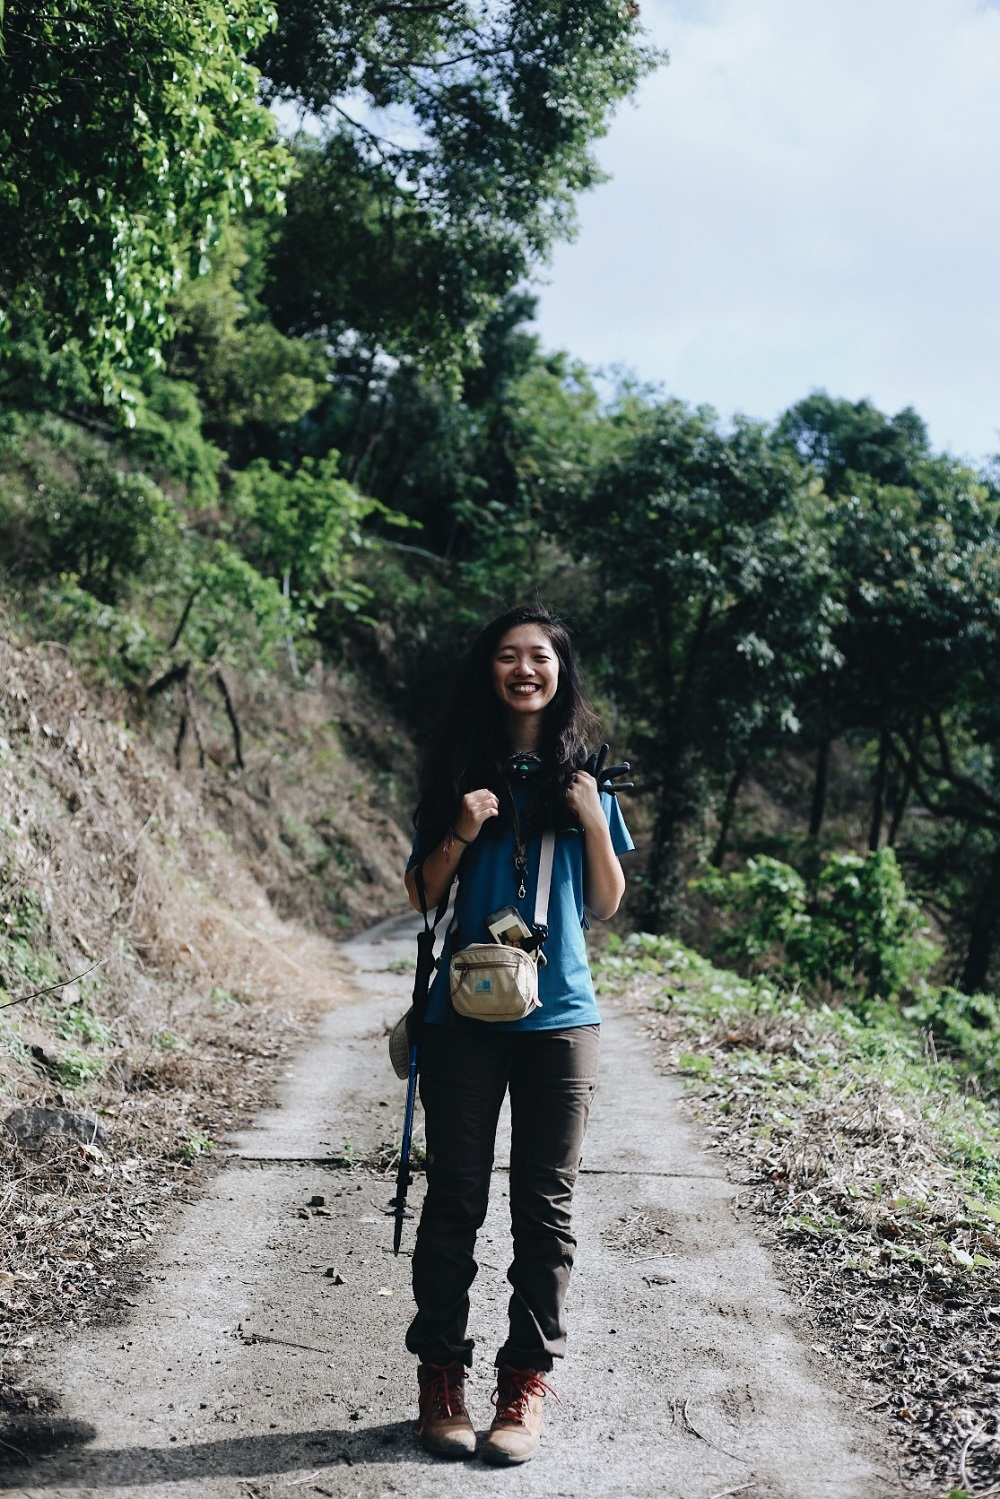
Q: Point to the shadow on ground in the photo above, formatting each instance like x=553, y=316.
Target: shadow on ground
x=53, y=1451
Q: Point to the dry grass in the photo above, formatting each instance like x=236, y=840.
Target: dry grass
x=108, y=856
x=865, y=1168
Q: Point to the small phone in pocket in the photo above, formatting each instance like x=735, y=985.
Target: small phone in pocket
x=508, y=927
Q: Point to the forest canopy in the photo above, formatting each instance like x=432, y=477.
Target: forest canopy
x=343, y=438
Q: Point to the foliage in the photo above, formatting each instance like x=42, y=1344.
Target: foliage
x=75, y=1068
x=457, y=137
x=169, y=441
x=129, y=133
x=303, y=527
x=70, y=506
x=132, y=575
x=195, y=1144
x=75, y=1022
x=843, y=438
x=856, y=929
x=246, y=373
x=919, y=568
x=710, y=539
x=881, y=1042
x=966, y=1028
x=27, y=961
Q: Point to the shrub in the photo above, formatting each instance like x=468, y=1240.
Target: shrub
x=855, y=927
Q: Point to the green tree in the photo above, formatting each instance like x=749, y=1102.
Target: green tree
x=251, y=380
x=128, y=134
x=303, y=527
x=854, y=926
x=456, y=138
x=840, y=437
x=913, y=541
x=713, y=606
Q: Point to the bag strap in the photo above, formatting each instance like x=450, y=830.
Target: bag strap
x=544, y=887
x=418, y=877
x=424, y=971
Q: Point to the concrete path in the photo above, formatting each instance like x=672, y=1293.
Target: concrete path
x=248, y=1371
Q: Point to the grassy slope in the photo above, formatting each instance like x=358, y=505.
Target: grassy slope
x=198, y=894
x=879, y=1176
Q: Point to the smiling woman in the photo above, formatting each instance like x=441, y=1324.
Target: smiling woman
x=507, y=792
x=525, y=678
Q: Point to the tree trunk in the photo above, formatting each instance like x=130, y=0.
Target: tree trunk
x=729, y=811
x=899, y=807
x=983, y=934
x=818, y=806
x=663, y=874
x=286, y=594
x=878, y=804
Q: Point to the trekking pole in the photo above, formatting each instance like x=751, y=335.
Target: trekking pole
x=397, y=1208
x=404, y=1176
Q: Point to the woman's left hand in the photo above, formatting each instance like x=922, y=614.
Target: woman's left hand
x=584, y=800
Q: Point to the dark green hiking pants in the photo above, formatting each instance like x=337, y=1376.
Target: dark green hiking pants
x=464, y=1075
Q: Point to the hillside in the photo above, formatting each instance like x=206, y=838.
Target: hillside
x=173, y=919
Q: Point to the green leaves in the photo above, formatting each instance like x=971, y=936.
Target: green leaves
x=131, y=133
x=304, y=527
x=455, y=139
x=856, y=929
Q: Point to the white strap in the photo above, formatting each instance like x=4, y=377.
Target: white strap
x=544, y=878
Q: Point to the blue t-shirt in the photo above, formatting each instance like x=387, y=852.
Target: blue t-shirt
x=487, y=881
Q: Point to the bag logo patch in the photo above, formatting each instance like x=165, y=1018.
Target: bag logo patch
x=483, y=986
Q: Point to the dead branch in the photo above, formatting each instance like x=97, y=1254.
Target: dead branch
x=185, y=612
x=191, y=709
x=176, y=673
x=37, y=994
x=179, y=740
x=220, y=682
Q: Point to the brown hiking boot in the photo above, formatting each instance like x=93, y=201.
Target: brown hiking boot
x=517, y=1426
x=445, y=1428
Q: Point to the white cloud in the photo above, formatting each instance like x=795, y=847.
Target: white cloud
x=805, y=197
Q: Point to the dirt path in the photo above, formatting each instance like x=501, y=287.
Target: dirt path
x=247, y=1370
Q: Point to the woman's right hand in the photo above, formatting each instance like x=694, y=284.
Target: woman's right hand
x=475, y=808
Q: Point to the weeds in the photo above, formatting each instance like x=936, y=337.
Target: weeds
x=75, y=1068
x=875, y=1168
x=196, y=1144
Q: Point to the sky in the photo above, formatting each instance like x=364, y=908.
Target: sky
x=807, y=197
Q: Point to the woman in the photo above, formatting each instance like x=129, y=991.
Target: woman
x=507, y=766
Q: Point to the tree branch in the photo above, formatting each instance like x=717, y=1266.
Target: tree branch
x=37, y=993
x=169, y=678
x=234, y=722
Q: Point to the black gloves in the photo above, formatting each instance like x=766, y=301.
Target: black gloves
x=606, y=775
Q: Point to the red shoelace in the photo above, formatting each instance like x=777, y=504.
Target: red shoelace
x=442, y=1393
x=514, y=1389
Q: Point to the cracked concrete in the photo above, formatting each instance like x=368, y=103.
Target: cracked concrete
x=247, y=1370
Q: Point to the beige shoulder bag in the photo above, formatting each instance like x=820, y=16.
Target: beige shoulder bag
x=491, y=982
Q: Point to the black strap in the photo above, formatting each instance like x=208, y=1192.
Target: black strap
x=424, y=971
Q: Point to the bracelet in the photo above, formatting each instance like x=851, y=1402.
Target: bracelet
x=451, y=838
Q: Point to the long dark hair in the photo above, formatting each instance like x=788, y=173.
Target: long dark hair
x=470, y=744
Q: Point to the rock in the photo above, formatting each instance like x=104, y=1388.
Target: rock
x=334, y=1274
x=32, y=1127
x=317, y=1202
